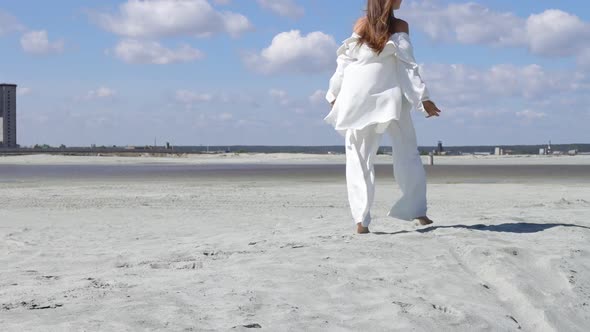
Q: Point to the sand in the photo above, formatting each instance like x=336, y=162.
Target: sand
x=208, y=254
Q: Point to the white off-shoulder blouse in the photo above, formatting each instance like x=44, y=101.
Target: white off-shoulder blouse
x=370, y=88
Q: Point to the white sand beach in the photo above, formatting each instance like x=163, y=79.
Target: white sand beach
x=279, y=254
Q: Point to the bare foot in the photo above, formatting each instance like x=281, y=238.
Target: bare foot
x=362, y=230
x=423, y=221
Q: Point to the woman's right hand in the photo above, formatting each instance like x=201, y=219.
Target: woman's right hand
x=431, y=108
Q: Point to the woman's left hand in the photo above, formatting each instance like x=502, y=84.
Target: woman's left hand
x=431, y=108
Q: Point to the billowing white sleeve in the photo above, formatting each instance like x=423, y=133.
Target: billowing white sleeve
x=343, y=60
x=412, y=84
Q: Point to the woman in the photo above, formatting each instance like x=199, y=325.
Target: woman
x=373, y=90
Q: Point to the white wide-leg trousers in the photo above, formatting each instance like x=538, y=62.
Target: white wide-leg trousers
x=361, y=149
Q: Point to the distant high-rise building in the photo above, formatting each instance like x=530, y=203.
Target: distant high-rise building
x=8, y=115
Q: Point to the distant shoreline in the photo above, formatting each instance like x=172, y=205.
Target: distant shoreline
x=276, y=159
x=320, y=150
x=171, y=150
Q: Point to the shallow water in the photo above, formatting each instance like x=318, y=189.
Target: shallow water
x=436, y=174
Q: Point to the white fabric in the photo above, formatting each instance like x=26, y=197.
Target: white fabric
x=361, y=149
x=368, y=88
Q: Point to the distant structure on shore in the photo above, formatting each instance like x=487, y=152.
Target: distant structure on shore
x=8, y=115
x=548, y=150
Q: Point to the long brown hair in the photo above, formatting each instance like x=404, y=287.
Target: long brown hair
x=377, y=26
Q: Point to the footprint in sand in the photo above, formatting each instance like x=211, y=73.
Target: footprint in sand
x=48, y=277
x=514, y=320
x=29, y=305
x=446, y=310
x=403, y=306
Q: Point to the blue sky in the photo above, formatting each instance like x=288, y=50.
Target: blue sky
x=252, y=72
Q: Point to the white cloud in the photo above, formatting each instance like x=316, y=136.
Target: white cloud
x=584, y=58
x=282, y=99
x=292, y=52
x=225, y=116
x=550, y=33
x=530, y=115
x=467, y=23
x=23, y=91
x=212, y=120
x=460, y=85
x=276, y=99
x=555, y=32
x=280, y=96
x=8, y=23
x=529, y=82
x=189, y=97
x=241, y=99
x=101, y=93
x=166, y=18
x=287, y=8
x=318, y=98
x=506, y=95
x=149, y=52
x=276, y=93
x=37, y=42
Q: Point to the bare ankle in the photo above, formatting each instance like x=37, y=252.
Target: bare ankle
x=424, y=220
x=360, y=229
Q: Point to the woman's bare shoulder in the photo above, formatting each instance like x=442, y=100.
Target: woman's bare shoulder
x=400, y=25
